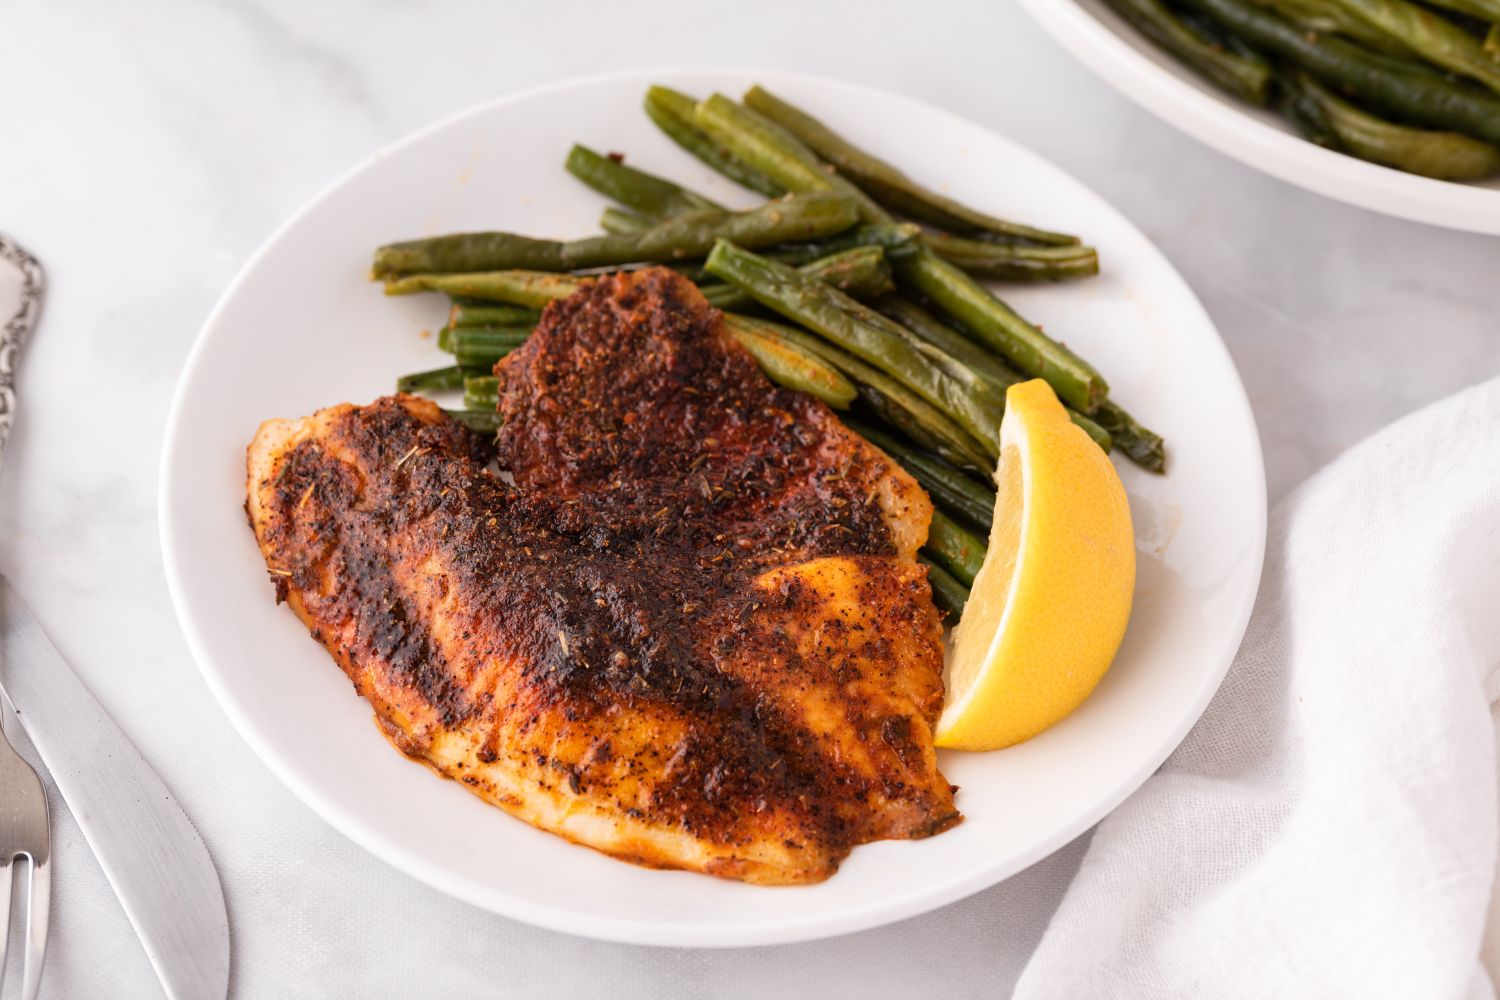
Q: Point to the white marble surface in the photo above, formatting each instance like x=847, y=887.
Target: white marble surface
x=150, y=147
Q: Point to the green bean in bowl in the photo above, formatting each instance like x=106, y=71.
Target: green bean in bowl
x=1410, y=85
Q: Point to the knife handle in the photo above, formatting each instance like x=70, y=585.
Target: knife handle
x=17, y=328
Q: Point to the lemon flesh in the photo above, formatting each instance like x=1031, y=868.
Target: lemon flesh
x=1048, y=608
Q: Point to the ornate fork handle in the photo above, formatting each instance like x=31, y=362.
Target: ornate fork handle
x=17, y=328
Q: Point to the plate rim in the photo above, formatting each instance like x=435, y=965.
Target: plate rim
x=658, y=934
x=1201, y=114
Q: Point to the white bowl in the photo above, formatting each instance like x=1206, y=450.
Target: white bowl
x=1136, y=67
x=302, y=327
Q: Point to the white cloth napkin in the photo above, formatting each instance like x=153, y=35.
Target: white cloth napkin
x=1329, y=829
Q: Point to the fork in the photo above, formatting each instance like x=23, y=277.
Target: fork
x=24, y=832
x=24, y=827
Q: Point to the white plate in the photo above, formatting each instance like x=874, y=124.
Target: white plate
x=1136, y=67
x=302, y=327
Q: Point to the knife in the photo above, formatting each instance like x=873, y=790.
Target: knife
x=152, y=856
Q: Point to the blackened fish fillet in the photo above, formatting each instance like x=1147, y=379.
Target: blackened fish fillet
x=689, y=631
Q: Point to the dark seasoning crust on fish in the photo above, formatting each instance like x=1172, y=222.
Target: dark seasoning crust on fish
x=690, y=613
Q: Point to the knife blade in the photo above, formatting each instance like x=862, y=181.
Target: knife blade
x=152, y=856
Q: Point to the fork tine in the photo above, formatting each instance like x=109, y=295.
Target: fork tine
x=38, y=906
x=5, y=873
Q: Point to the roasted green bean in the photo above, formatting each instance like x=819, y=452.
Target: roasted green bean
x=653, y=197
x=490, y=314
x=947, y=593
x=1142, y=445
x=987, y=365
x=898, y=406
x=436, y=380
x=861, y=273
x=770, y=148
x=1445, y=155
x=860, y=330
x=998, y=326
x=1411, y=95
x=482, y=421
x=1248, y=78
x=1014, y=261
x=775, y=152
x=789, y=365
x=481, y=392
x=949, y=487
x=885, y=182
x=622, y=220
x=673, y=114
x=482, y=347
x=681, y=237
x=1434, y=38
x=959, y=550
x=517, y=287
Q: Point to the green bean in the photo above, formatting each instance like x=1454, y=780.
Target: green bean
x=1143, y=447
x=897, y=405
x=944, y=337
x=1014, y=261
x=673, y=114
x=651, y=196
x=690, y=236
x=1246, y=78
x=890, y=236
x=448, y=335
x=517, y=287
x=436, y=380
x=1412, y=96
x=1317, y=16
x=947, y=593
x=489, y=336
x=777, y=153
x=770, y=148
x=885, y=182
x=682, y=237
x=1432, y=37
x=861, y=273
x=949, y=487
x=482, y=421
x=953, y=388
x=490, y=314
x=622, y=220
x=1297, y=105
x=482, y=385
x=481, y=393
x=998, y=326
x=1404, y=63
x=957, y=549
x=459, y=252
x=989, y=367
x=886, y=235
x=1445, y=155
x=484, y=316
x=789, y=365
x=482, y=347
x=482, y=357
x=1488, y=10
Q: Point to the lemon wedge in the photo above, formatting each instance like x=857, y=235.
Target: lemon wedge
x=1048, y=609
